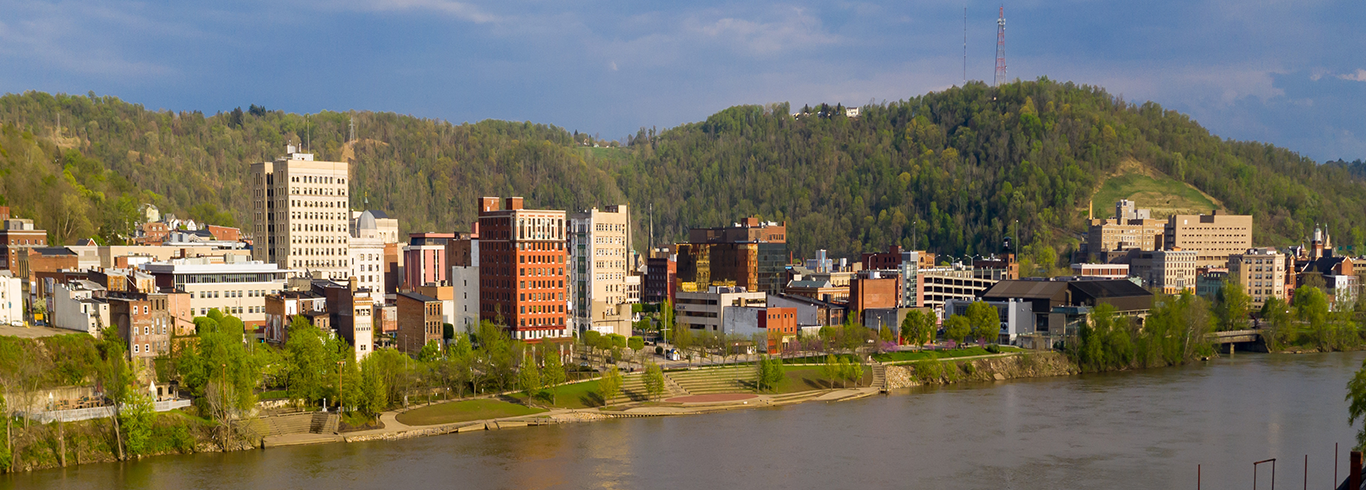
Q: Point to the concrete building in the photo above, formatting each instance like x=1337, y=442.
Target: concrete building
x=1214, y=236
x=1130, y=229
x=465, y=298
x=11, y=299
x=79, y=305
x=386, y=228
x=705, y=311
x=599, y=264
x=1209, y=282
x=1260, y=272
x=419, y=321
x=811, y=313
x=1165, y=271
x=1059, y=305
x=424, y=259
x=940, y=284
x=522, y=268
x=774, y=327
x=301, y=214
x=874, y=289
x=367, y=253
x=235, y=288
x=751, y=254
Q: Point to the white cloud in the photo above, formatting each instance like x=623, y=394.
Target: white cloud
x=793, y=28
x=1359, y=76
x=459, y=10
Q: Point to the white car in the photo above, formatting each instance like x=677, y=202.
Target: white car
x=16, y=323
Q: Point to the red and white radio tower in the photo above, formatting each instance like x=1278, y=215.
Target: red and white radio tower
x=1000, y=76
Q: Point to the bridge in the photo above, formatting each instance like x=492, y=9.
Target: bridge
x=1236, y=336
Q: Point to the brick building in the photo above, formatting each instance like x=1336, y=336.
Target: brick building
x=522, y=268
x=419, y=321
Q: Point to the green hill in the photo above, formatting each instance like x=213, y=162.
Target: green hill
x=1161, y=194
x=952, y=171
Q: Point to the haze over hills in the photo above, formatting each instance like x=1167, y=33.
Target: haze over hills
x=951, y=171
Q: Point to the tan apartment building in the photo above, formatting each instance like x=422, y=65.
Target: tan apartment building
x=301, y=214
x=599, y=268
x=1213, y=236
x=1260, y=272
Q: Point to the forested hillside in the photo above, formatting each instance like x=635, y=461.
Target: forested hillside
x=951, y=171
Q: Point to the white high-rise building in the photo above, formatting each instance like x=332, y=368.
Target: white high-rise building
x=600, y=262
x=301, y=214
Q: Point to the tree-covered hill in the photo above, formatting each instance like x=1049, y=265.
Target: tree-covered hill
x=951, y=171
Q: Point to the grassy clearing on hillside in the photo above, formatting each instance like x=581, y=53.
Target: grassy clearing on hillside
x=1163, y=195
x=463, y=411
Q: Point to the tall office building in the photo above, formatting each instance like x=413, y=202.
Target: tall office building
x=301, y=214
x=367, y=255
x=751, y=254
x=522, y=268
x=1213, y=236
x=599, y=264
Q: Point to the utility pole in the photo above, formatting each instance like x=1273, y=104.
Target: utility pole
x=341, y=403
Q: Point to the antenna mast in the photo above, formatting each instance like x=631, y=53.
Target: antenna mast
x=965, y=46
x=1000, y=76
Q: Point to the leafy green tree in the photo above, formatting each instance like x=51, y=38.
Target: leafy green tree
x=1231, y=306
x=1311, y=307
x=984, y=322
x=553, y=372
x=768, y=373
x=430, y=351
x=958, y=328
x=1278, y=329
x=374, y=395
x=529, y=378
x=654, y=381
x=830, y=370
x=636, y=343
x=308, y=362
x=1356, y=408
x=137, y=418
x=917, y=327
x=609, y=386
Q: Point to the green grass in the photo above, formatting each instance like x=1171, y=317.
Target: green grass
x=1164, y=196
x=577, y=395
x=816, y=359
x=938, y=354
x=464, y=411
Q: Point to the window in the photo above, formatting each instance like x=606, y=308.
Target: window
x=135, y=348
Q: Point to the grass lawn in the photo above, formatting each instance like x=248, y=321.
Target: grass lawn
x=577, y=395
x=938, y=354
x=462, y=411
x=1165, y=196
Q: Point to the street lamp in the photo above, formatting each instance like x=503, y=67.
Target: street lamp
x=341, y=401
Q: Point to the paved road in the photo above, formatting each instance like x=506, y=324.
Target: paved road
x=32, y=332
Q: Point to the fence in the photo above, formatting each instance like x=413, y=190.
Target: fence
x=76, y=414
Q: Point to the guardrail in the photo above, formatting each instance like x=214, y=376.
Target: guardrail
x=77, y=414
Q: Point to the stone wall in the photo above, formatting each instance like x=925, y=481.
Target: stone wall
x=1025, y=365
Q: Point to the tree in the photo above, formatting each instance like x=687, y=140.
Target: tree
x=553, y=372
x=958, y=328
x=1356, y=408
x=1231, y=307
x=635, y=343
x=374, y=395
x=118, y=379
x=854, y=372
x=1277, y=331
x=985, y=322
x=917, y=327
x=529, y=378
x=430, y=351
x=654, y=381
x=308, y=362
x=609, y=386
x=768, y=372
x=1311, y=307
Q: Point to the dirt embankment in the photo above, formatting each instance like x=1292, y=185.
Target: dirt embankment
x=1027, y=365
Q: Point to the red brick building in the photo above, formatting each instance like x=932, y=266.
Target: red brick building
x=660, y=274
x=225, y=233
x=419, y=321
x=781, y=325
x=521, y=268
x=16, y=237
x=874, y=290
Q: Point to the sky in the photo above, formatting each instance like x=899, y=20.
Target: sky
x=1287, y=72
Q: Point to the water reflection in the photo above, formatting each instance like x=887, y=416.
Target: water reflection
x=1145, y=429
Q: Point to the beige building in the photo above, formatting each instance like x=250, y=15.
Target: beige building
x=385, y=227
x=1260, y=272
x=600, y=270
x=367, y=255
x=301, y=214
x=1213, y=236
x=1171, y=271
x=238, y=289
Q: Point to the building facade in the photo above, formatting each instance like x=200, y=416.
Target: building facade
x=705, y=311
x=419, y=321
x=522, y=261
x=1260, y=272
x=599, y=259
x=751, y=254
x=1213, y=236
x=301, y=214
x=424, y=259
x=238, y=289
x=367, y=253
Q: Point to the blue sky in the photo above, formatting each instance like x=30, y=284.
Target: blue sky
x=1288, y=72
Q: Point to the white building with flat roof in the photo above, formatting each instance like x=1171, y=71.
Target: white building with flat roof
x=236, y=288
x=302, y=214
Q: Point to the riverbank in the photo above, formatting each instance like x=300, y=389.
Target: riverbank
x=990, y=367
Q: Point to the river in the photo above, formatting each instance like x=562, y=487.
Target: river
x=1139, y=430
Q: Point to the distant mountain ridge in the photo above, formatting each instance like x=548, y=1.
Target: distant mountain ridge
x=954, y=171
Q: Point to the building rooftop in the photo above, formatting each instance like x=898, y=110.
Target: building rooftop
x=418, y=297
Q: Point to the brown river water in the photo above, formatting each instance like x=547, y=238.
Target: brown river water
x=1134, y=430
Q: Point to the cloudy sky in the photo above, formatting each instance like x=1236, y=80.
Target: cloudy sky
x=1289, y=72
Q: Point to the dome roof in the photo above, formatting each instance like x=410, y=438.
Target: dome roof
x=366, y=222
